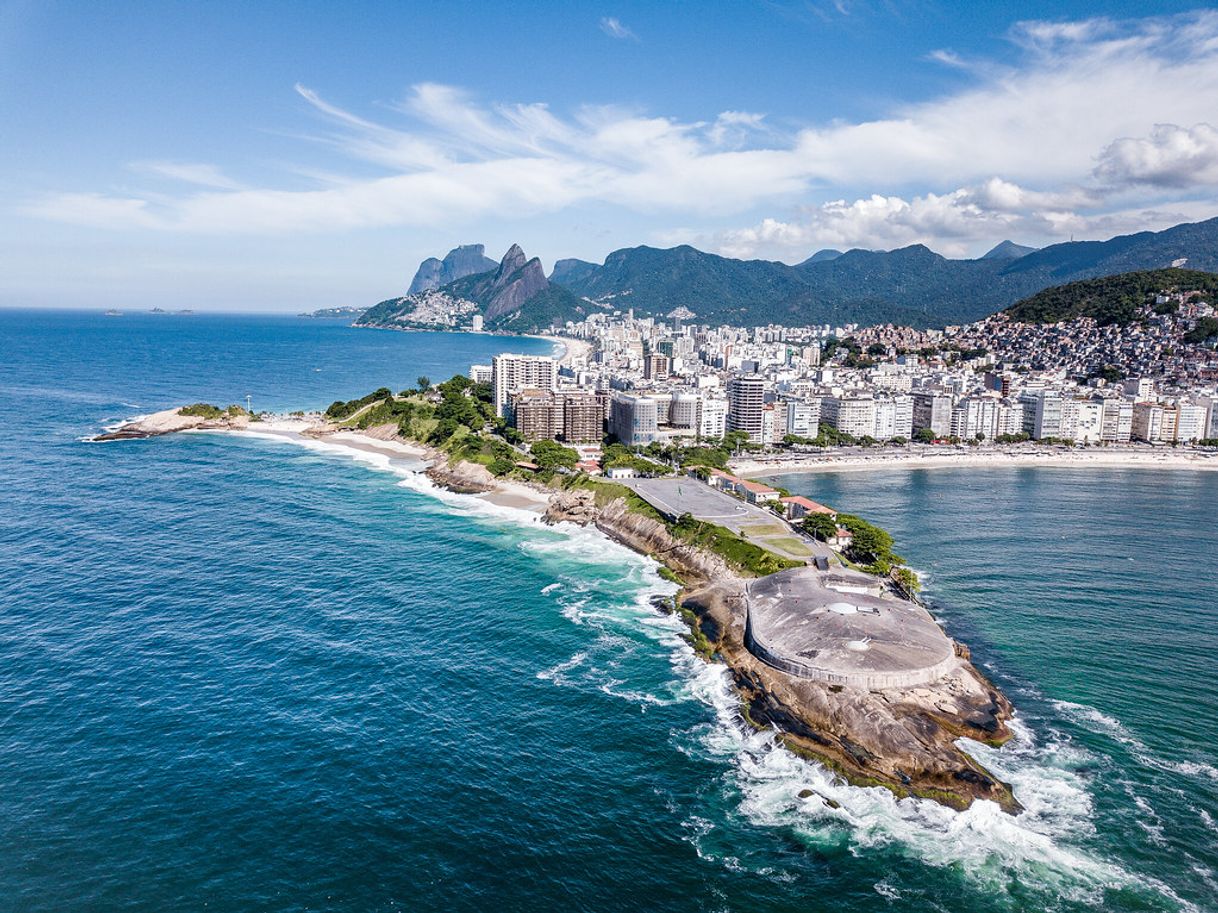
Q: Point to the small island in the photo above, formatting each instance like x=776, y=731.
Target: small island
x=810, y=608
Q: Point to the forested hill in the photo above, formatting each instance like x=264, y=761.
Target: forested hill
x=1110, y=299
x=912, y=285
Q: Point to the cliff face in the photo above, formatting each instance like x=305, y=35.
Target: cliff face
x=466, y=260
x=515, y=282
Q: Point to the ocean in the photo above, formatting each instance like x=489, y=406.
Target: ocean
x=239, y=674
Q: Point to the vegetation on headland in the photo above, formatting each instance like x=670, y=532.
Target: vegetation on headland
x=210, y=412
x=457, y=418
x=870, y=548
x=1112, y=299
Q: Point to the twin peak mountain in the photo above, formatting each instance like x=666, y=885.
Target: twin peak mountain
x=499, y=289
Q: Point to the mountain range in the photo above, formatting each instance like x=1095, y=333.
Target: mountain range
x=912, y=285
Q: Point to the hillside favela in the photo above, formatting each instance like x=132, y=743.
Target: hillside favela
x=538, y=469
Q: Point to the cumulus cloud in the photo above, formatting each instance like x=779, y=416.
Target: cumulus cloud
x=612, y=26
x=1053, y=141
x=956, y=224
x=1170, y=156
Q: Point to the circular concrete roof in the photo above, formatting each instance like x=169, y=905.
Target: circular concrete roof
x=800, y=626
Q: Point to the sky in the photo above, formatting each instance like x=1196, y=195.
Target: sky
x=290, y=156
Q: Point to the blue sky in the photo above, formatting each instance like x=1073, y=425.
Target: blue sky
x=277, y=156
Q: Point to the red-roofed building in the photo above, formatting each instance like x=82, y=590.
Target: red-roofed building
x=797, y=507
x=756, y=492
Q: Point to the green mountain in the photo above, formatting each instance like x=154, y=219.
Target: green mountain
x=913, y=285
x=1110, y=299
x=1008, y=250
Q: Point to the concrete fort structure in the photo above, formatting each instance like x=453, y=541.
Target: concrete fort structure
x=817, y=625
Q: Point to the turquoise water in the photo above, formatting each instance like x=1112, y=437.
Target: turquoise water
x=238, y=674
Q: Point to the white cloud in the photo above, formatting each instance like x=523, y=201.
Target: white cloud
x=612, y=26
x=199, y=173
x=1170, y=156
x=957, y=224
x=1056, y=141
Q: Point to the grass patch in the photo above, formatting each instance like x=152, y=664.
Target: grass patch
x=743, y=556
x=790, y=544
x=670, y=575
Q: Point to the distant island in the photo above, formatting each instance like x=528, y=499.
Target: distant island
x=345, y=312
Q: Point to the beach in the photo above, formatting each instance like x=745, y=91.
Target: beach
x=506, y=493
x=943, y=458
x=575, y=351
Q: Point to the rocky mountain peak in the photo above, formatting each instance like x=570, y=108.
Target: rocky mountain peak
x=513, y=260
x=466, y=260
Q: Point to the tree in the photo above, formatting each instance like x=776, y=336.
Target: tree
x=924, y=436
x=820, y=526
x=423, y=382
x=550, y=455
x=907, y=581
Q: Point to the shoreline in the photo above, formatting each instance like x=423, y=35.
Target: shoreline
x=572, y=349
x=905, y=739
x=506, y=493
x=1098, y=458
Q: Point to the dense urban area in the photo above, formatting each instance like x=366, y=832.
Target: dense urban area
x=645, y=381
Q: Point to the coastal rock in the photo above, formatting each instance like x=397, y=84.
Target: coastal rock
x=462, y=477
x=170, y=421
x=516, y=281
x=576, y=506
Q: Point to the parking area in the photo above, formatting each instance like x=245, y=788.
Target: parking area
x=674, y=497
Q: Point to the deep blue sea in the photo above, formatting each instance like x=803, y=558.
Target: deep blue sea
x=242, y=675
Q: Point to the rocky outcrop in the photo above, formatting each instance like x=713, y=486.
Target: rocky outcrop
x=515, y=282
x=902, y=739
x=170, y=421
x=466, y=260
x=572, y=270
x=462, y=477
x=637, y=532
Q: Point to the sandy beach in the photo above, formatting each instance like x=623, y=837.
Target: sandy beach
x=1023, y=458
x=507, y=492
x=575, y=351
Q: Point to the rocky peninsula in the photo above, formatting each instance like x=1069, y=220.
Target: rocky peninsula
x=899, y=734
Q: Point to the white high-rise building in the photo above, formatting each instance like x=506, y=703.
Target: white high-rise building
x=1042, y=414
x=853, y=415
x=1191, y=424
x=1117, y=421
x=745, y=402
x=513, y=373
x=1147, y=422
x=933, y=410
x=633, y=420
x=803, y=417
x=712, y=420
